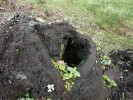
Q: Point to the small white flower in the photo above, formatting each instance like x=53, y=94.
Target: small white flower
x=96, y=61
x=121, y=77
x=10, y=81
x=126, y=70
x=50, y=87
x=61, y=63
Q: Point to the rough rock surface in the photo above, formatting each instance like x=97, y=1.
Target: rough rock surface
x=25, y=64
x=26, y=49
x=123, y=60
x=81, y=52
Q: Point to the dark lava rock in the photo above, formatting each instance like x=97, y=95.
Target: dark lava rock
x=26, y=49
x=25, y=64
x=80, y=52
x=123, y=60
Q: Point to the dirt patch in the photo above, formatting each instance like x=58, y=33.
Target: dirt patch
x=123, y=30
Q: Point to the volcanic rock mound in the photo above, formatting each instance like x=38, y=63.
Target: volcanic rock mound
x=26, y=50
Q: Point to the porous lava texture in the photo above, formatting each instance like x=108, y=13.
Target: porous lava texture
x=123, y=60
x=26, y=50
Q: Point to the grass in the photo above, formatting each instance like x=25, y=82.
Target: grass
x=110, y=19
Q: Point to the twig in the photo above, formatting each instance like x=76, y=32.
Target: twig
x=3, y=9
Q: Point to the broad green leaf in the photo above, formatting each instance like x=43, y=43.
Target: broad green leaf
x=61, y=67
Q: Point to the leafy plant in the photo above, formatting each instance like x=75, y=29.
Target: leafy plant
x=110, y=83
x=68, y=73
x=123, y=96
x=105, y=61
x=26, y=97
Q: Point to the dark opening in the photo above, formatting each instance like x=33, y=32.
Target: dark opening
x=76, y=51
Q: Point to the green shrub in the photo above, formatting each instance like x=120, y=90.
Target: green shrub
x=68, y=73
x=110, y=83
